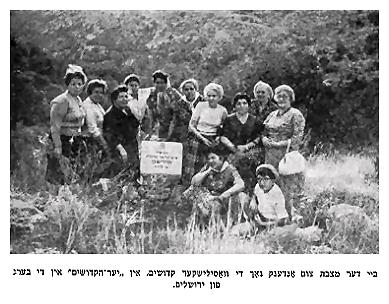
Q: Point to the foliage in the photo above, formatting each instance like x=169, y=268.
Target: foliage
x=330, y=58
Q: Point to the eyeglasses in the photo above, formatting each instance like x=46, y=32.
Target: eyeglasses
x=189, y=89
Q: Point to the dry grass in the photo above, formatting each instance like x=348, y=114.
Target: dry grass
x=73, y=220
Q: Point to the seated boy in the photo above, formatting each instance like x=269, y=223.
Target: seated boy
x=267, y=205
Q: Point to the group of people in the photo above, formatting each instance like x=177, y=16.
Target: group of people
x=230, y=157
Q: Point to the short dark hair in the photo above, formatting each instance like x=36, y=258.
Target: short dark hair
x=70, y=76
x=119, y=89
x=93, y=86
x=239, y=96
x=266, y=172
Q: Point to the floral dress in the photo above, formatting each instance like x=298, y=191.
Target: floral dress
x=160, y=111
x=280, y=127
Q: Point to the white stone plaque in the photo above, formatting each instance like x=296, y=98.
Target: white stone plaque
x=161, y=158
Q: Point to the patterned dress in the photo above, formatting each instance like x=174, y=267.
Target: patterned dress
x=160, y=111
x=217, y=182
x=280, y=127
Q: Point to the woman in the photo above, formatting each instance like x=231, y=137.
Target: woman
x=283, y=126
x=66, y=119
x=204, y=127
x=262, y=104
x=214, y=185
x=137, y=103
x=120, y=130
x=190, y=89
x=182, y=111
x=96, y=90
x=241, y=136
x=137, y=96
x=160, y=107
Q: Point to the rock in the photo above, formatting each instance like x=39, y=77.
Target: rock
x=345, y=213
x=309, y=234
x=345, y=219
x=346, y=210
x=241, y=229
x=284, y=233
x=23, y=215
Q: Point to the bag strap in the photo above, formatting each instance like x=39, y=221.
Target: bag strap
x=288, y=146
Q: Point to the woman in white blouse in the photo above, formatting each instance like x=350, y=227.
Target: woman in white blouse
x=204, y=127
x=96, y=90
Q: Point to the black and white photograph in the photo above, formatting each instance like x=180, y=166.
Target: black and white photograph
x=175, y=151
x=194, y=132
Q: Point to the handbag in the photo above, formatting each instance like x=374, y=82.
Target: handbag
x=292, y=163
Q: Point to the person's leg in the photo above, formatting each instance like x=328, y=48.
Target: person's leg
x=190, y=160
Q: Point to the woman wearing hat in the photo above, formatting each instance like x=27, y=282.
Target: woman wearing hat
x=182, y=111
x=204, y=126
x=190, y=90
x=160, y=107
x=96, y=90
x=242, y=136
x=284, y=127
x=66, y=119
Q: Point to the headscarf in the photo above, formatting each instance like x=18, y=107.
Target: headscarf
x=73, y=69
x=96, y=83
x=287, y=89
x=131, y=77
x=192, y=81
x=214, y=87
x=265, y=86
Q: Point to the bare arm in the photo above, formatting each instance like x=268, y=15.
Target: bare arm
x=199, y=177
x=236, y=188
x=57, y=113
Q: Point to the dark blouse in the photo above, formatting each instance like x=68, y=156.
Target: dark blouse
x=120, y=127
x=242, y=134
